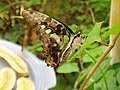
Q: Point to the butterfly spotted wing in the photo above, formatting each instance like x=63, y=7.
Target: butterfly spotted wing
x=59, y=41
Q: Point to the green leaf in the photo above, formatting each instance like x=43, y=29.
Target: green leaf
x=90, y=87
x=37, y=45
x=39, y=49
x=81, y=18
x=118, y=77
x=92, y=36
x=68, y=68
x=98, y=77
x=60, y=84
x=100, y=85
x=114, y=28
x=69, y=87
x=118, y=88
x=95, y=53
x=111, y=80
x=82, y=77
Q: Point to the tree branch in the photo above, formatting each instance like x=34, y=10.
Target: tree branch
x=111, y=45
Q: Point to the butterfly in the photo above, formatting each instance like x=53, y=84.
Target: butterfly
x=59, y=41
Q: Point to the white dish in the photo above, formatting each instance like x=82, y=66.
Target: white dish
x=42, y=75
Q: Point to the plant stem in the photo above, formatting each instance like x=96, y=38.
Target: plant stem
x=99, y=69
x=111, y=45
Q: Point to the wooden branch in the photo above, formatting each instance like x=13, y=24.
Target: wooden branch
x=111, y=45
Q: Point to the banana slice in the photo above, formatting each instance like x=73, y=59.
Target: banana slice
x=7, y=79
x=14, y=61
x=25, y=84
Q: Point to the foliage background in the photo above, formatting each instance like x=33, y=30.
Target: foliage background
x=77, y=14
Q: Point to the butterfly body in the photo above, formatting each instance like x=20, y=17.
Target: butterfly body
x=58, y=39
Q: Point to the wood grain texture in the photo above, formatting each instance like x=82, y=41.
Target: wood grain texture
x=114, y=19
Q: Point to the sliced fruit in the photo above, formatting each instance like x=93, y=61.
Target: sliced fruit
x=17, y=63
x=25, y=84
x=7, y=78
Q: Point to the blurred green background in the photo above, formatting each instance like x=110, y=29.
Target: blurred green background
x=77, y=14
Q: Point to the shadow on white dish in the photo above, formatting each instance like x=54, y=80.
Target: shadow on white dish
x=42, y=75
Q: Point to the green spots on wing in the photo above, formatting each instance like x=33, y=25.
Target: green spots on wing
x=39, y=23
x=56, y=37
x=54, y=44
x=43, y=26
x=53, y=35
x=58, y=40
x=35, y=18
x=48, y=31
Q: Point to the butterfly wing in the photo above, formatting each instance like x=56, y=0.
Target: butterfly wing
x=51, y=32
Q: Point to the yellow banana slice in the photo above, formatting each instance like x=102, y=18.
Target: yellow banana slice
x=14, y=61
x=25, y=84
x=7, y=78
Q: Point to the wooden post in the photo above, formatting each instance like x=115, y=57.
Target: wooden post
x=115, y=18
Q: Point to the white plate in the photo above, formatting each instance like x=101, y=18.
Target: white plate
x=42, y=75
